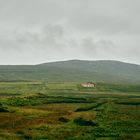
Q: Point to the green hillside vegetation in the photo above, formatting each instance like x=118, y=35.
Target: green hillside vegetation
x=67, y=111
x=73, y=70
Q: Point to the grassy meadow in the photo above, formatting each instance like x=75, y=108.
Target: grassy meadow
x=66, y=111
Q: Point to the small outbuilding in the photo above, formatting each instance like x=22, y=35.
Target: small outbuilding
x=88, y=85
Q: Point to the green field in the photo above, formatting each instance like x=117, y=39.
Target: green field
x=66, y=111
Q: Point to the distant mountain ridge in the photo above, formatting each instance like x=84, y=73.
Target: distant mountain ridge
x=74, y=70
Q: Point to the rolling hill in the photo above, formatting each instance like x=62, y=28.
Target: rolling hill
x=73, y=70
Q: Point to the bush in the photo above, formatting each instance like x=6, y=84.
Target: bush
x=81, y=121
x=4, y=109
x=90, y=107
x=63, y=119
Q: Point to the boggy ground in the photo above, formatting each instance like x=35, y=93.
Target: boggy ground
x=69, y=112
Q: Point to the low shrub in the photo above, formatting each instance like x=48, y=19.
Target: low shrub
x=81, y=121
x=90, y=107
x=63, y=119
x=4, y=109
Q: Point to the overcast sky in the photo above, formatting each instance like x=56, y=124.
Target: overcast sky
x=37, y=31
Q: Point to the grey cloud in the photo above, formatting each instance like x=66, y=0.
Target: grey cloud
x=50, y=30
x=53, y=38
x=97, y=48
x=108, y=16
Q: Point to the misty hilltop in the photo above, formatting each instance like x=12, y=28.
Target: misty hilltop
x=73, y=70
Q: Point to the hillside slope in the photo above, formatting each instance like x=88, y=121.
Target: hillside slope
x=74, y=70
